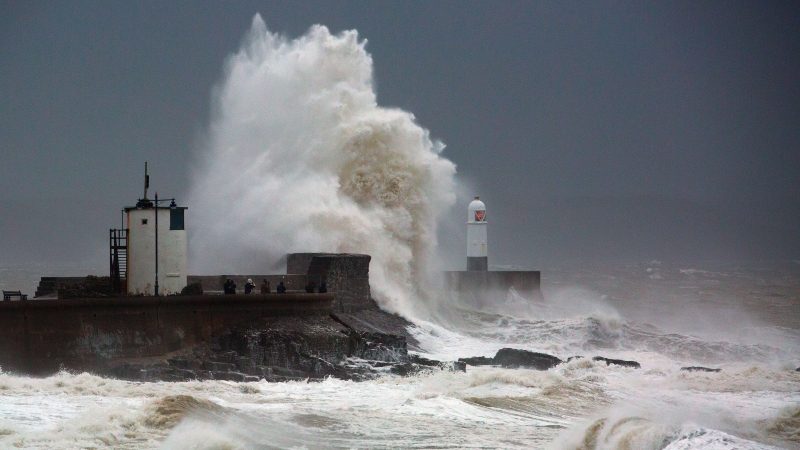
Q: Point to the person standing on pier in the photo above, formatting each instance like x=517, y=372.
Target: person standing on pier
x=229, y=287
x=265, y=288
x=249, y=286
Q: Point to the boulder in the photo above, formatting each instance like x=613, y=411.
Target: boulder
x=451, y=366
x=477, y=361
x=699, y=369
x=515, y=358
x=618, y=362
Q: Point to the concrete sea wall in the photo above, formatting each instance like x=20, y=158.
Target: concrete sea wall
x=41, y=336
x=102, y=334
x=526, y=282
x=236, y=337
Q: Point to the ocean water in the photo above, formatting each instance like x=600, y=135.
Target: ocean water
x=742, y=318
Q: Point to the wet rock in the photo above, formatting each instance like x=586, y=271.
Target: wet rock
x=205, y=375
x=514, y=358
x=283, y=373
x=574, y=357
x=245, y=364
x=184, y=374
x=229, y=376
x=477, y=361
x=189, y=364
x=264, y=372
x=618, y=362
x=375, y=320
x=216, y=366
x=229, y=356
x=452, y=366
x=699, y=369
x=797, y=370
x=290, y=348
x=404, y=369
x=128, y=371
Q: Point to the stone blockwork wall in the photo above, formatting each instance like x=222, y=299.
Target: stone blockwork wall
x=297, y=263
x=346, y=275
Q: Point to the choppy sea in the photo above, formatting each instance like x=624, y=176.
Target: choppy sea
x=743, y=318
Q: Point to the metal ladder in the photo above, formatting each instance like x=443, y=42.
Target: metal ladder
x=118, y=246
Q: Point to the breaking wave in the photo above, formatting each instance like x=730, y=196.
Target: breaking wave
x=639, y=433
x=168, y=411
x=299, y=157
x=786, y=426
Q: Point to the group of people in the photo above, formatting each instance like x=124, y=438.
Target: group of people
x=267, y=289
x=229, y=287
x=311, y=287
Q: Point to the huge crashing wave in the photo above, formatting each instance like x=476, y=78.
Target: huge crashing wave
x=299, y=157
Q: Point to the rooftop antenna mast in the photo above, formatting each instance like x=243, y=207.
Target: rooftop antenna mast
x=146, y=181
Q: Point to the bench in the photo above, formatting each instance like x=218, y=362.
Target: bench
x=8, y=294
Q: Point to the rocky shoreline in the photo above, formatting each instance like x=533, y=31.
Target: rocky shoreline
x=356, y=346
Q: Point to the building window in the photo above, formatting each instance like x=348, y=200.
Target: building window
x=144, y=221
x=176, y=219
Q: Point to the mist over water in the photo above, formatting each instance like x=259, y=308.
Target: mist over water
x=299, y=157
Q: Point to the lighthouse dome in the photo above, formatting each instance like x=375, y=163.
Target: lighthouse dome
x=476, y=212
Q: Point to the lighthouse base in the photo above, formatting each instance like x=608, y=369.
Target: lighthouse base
x=477, y=263
x=483, y=287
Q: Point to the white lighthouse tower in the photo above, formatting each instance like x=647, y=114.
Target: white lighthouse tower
x=150, y=256
x=477, y=251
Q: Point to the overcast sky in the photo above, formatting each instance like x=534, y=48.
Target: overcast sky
x=593, y=130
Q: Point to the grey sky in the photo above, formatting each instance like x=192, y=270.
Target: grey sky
x=619, y=130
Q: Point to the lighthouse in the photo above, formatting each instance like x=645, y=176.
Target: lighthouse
x=156, y=248
x=477, y=285
x=477, y=252
x=148, y=256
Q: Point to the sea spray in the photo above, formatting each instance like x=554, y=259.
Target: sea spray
x=299, y=157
